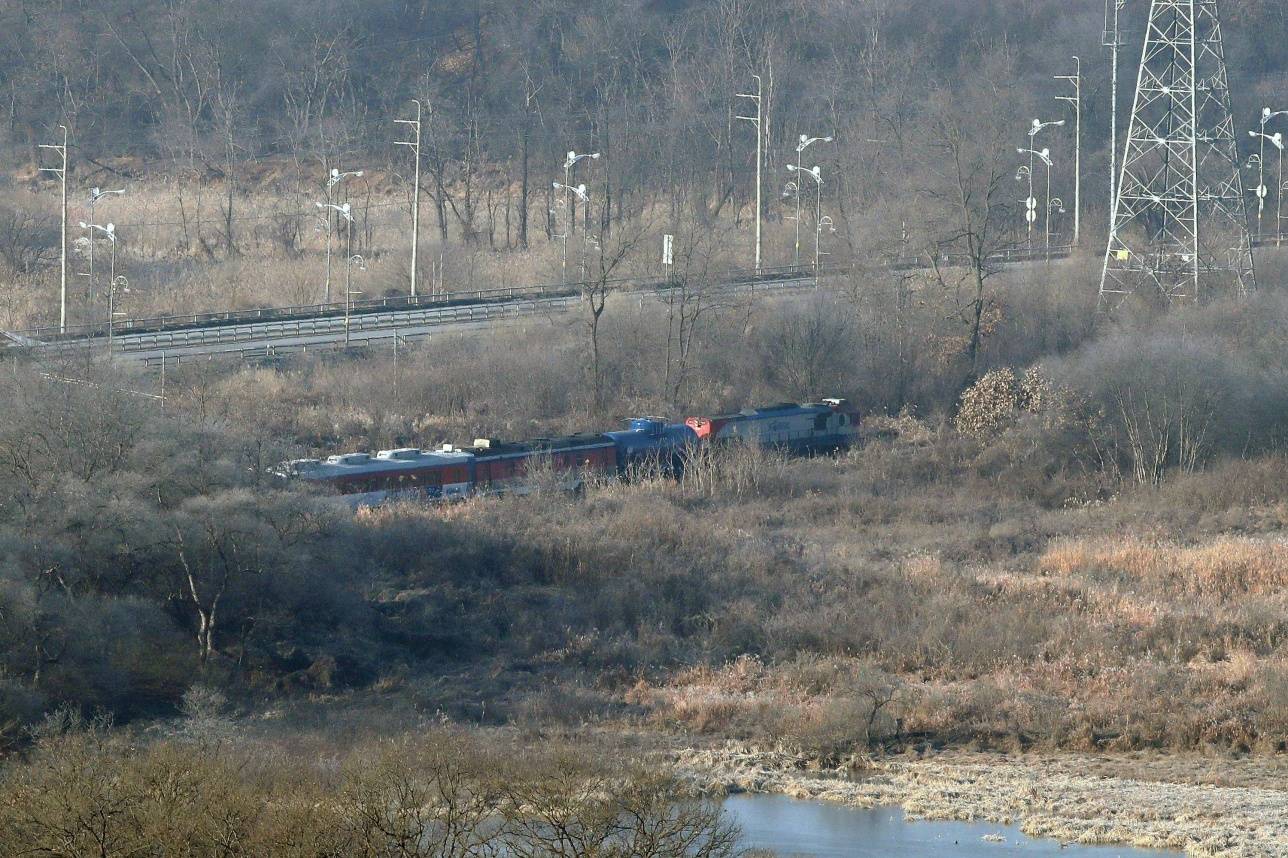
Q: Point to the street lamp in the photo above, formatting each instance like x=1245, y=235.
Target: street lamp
x=345, y=211
x=96, y=194
x=570, y=165
x=1036, y=128
x=817, y=175
x=1277, y=140
x=1054, y=204
x=1045, y=157
x=581, y=194
x=1266, y=115
x=336, y=177
x=805, y=142
x=110, y=232
x=823, y=222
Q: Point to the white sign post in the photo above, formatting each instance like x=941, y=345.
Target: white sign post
x=668, y=253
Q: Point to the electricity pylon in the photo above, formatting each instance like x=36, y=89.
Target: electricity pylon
x=1179, y=227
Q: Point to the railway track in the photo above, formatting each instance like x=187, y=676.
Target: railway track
x=259, y=335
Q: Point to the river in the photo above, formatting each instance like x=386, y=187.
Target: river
x=818, y=829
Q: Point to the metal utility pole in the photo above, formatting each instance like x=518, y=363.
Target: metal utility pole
x=1076, y=101
x=62, y=175
x=758, y=122
x=1113, y=40
x=414, y=145
x=1180, y=224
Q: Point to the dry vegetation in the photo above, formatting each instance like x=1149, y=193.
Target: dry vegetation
x=1063, y=533
x=86, y=791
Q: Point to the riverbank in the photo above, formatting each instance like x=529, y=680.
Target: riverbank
x=1203, y=806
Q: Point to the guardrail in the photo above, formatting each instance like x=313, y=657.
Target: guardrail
x=51, y=334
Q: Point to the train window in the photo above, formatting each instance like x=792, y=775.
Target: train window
x=820, y=423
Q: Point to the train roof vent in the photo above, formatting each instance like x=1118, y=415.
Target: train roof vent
x=402, y=454
x=350, y=459
x=835, y=403
x=447, y=448
x=304, y=464
x=487, y=443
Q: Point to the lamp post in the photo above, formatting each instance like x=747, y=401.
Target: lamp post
x=570, y=166
x=1030, y=204
x=345, y=211
x=823, y=222
x=1076, y=101
x=1277, y=140
x=1054, y=204
x=335, y=178
x=1045, y=157
x=581, y=194
x=817, y=175
x=1266, y=115
x=1036, y=128
x=414, y=145
x=110, y=232
x=96, y=194
x=805, y=142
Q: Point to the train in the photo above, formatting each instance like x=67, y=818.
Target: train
x=490, y=466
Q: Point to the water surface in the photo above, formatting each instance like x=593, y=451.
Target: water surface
x=823, y=830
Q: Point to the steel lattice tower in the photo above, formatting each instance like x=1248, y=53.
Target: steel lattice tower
x=1179, y=226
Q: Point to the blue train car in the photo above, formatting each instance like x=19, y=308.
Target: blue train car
x=652, y=442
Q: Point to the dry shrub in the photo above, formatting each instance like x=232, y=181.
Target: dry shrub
x=999, y=397
x=85, y=791
x=1221, y=569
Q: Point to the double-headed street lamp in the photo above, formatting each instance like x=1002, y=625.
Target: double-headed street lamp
x=96, y=194
x=1277, y=139
x=805, y=142
x=345, y=211
x=817, y=175
x=1045, y=157
x=1036, y=128
x=580, y=193
x=337, y=176
x=570, y=166
x=110, y=232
